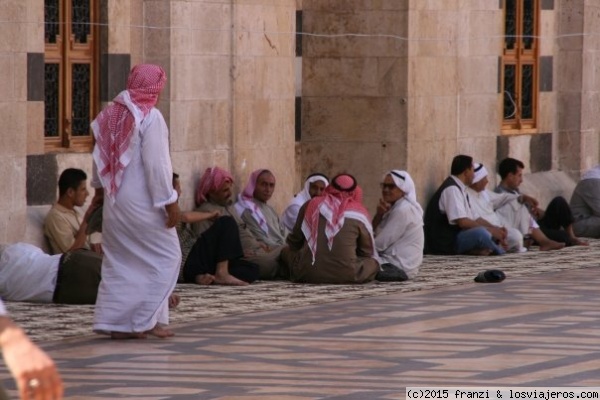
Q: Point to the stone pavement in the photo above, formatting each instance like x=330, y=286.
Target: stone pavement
x=276, y=340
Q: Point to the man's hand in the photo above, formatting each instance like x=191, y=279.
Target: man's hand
x=498, y=233
x=96, y=247
x=172, y=214
x=383, y=207
x=215, y=215
x=34, y=372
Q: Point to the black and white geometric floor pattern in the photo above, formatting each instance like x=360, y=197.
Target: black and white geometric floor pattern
x=45, y=322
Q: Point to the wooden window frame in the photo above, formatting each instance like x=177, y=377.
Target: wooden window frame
x=519, y=57
x=67, y=53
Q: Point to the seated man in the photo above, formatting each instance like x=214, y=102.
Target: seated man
x=556, y=222
x=29, y=274
x=313, y=186
x=451, y=225
x=332, y=240
x=260, y=218
x=486, y=202
x=214, y=193
x=585, y=204
x=63, y=226
x=216, y=256
x=398, y=225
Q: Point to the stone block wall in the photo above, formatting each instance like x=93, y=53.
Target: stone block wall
x=355, y=89
x=453, y=101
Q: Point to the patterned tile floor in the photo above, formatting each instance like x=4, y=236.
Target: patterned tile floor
x=302, y=342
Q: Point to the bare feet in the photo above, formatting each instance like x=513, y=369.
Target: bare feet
x=227, y=279
x=160, y=332
x=127, y=335
x=174, y=300
x=551, y=245
x=205, y=279
x=579, y=242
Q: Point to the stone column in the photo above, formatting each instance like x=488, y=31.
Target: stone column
x=578, y=84
x=232, y=90
x=354, y=89
x=453, y=103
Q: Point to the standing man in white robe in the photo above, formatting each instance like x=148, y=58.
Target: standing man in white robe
x=133, y=172
x=398, y=226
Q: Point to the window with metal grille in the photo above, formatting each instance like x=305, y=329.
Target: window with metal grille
x=71, y=73
x=520, y=66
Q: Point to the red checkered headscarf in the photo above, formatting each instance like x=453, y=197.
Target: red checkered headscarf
x=211, y=180
x=119, y=123
x=341, y=199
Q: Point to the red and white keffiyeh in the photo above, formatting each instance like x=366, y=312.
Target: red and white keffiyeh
x=119, y=123
x=211, y=180
x=246, y=201
x=341, y=199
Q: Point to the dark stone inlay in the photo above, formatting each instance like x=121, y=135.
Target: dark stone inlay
x=546, y=73
x=35, y=76
x=298, y=35
x=547, y=4
x=298, y=119
x=499, y=74
x=501, y=4
x=114, y=70
x=540, y=149
x=42, y=178
x=501, y=148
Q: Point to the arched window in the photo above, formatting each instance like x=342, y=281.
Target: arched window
x=520, y=66
x=71, y=73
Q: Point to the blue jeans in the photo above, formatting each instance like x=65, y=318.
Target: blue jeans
x=476, y=239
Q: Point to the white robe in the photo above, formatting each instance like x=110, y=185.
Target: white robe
x=141, y=256
x=28, y=274
x=399, y=237
x=485, y=203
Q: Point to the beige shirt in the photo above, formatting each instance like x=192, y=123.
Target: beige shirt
x=277, y=232
x=61, y=227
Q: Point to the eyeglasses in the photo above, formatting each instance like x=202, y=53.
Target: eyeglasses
x=389, y=186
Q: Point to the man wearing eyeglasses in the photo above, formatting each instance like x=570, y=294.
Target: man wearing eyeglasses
x=398, y=227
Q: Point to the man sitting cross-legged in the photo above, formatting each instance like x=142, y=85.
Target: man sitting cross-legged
x=260, y=218
x=398, y=226
x=451, y=225
x=556, y=221
x=215, y=193
x=216, y=256
x=485, y=203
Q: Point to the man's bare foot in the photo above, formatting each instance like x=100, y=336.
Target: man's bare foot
x=228, y=279
x=174, y=300
x=160, y=332
x=579, y=242
x=551, y=245
x=205, y=279
x=127, y=335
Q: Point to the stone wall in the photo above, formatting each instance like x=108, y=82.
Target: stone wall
x=453, y=101
x=354, y=89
